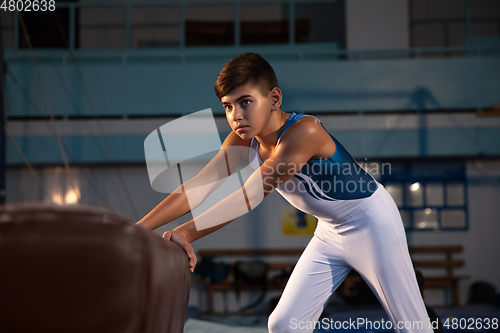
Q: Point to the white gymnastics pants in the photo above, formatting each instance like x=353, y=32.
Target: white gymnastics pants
x=372, y=241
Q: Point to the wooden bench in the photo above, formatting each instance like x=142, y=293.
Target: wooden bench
x=447, y=263
x=280, y=260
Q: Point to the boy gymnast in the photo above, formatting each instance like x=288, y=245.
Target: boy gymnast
x=359, y=226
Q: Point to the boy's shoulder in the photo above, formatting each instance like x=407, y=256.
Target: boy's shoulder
x=306, y=120
x=307, y=135
x=305, y=126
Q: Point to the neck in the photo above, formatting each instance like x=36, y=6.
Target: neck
x=269, y=137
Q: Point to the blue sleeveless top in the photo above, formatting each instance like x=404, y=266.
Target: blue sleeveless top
x=328, y=188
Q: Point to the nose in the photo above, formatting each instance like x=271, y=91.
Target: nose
x=238, y=113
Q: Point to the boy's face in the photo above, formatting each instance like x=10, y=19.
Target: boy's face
x=247, y=111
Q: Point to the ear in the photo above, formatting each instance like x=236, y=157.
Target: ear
x=277, y=98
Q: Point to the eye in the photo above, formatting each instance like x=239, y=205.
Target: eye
x=245, y=102
x=228, y=108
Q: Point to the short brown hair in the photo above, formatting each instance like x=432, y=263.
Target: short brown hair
x=246, y=68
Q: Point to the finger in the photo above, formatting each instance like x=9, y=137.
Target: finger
x=192, y=260
x=167, y=235
x=191, y=263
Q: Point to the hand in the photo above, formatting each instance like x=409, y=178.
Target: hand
x=180, y=238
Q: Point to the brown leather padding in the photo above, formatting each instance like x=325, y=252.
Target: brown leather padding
x=81, y=269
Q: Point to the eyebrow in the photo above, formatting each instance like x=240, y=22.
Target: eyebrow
x=238, y=99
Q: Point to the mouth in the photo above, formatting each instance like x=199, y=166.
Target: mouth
x=240, y=127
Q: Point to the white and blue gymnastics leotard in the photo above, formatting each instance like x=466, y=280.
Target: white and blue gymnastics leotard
x=358, y=228
x=327, y=188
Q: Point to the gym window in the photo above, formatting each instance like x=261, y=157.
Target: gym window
x=430, y=196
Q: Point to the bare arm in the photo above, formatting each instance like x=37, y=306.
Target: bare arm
x=214, y=173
